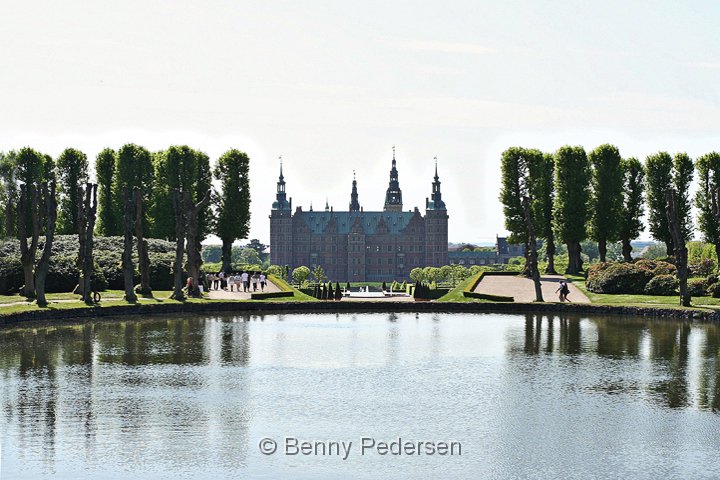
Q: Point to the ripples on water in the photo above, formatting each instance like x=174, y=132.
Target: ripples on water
x=526, y=396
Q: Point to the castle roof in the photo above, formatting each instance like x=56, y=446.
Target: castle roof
x=318, y=222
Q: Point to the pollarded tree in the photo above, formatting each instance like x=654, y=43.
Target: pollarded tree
x=33, y=168
x=184, y=168
x=659, y=174
x=708, y=168
x=43, y=265
x=570, y=209
x=632, y=206
x=542, y=194
x=513, y=165
x=233, y=215
x=663, y=173
x=134, y=168
x=683, y=172
x=72, y=172
x=606, y=196
x=109, y=218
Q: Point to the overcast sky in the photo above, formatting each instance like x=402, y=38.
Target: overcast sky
x=332, y=86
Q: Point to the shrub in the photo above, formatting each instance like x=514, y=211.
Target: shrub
x=714, y=290
x=656, y=267
x=711, y=279
x=662, y=285
x=617, y=278
x=705, y=267
x=697, y=287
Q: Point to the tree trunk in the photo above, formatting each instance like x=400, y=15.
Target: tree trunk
x=179, y=246
x=669, y=247
x=127, y=263
x=82, y=235
x=550, y=269
x=574, y=258
x=50, y=215
x=227, y=254
x=626, y=250
x=681, y=252
x=142, y=246
x=602, y=249
x=717, y=254
x=29, y=201
x=194, y=259
x=532, y=254
x=88, y=264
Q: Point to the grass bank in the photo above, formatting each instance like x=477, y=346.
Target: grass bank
x=708, y=304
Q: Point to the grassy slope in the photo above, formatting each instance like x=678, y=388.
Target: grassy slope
x=456, y=294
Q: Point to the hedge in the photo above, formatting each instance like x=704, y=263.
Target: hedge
x=265, y=295
x=107, y=252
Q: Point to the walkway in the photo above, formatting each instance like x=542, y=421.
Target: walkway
x=235, y=295
x=523, y=290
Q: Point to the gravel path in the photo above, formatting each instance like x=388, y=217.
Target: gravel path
x=523, y=290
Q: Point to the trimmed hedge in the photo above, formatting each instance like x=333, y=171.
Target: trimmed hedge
x=107, y=252
x=266, y=295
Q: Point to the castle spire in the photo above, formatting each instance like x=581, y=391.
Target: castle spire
x=354, y=204
x=436, y=203
x=281, y=202
x=393, y=197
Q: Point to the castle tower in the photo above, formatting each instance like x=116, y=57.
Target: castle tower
x=436, y=227
x=393, y=197
x=354, y=204
x=281, y=225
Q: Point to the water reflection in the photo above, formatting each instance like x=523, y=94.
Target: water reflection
x=186, y=381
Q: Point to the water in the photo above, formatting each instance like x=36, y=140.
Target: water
x=522, y=396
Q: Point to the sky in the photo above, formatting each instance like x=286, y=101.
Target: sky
x=331, y=86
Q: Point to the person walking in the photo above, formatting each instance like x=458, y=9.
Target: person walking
x=255, y=280
x=263, y=279
x=563, y=290
x=245, y=281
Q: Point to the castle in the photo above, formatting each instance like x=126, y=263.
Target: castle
x=358, y=245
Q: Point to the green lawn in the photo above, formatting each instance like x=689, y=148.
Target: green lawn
x=703, y=303
x=456, y=294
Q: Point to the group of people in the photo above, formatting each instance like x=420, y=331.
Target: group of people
x=235, y=281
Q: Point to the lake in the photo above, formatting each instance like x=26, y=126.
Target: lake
x=361, y=396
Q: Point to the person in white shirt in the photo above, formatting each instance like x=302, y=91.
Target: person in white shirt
x=245, y=281
x=263, y=279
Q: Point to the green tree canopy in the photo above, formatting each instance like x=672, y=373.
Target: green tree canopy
x=708, y=169
x=184, y=168
x=632, y=204
x=108, y=219
x=664, y=172
x=683, y=172
x=570, y=209
x=658, y=170
x=33, y=168
x=606, y=196
x=134, y=168
x=8, y=194
x=300, y=274
x=72, y=169
x=233, y=214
